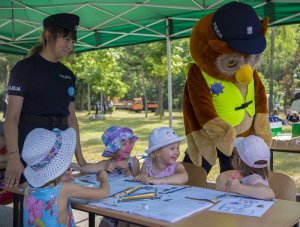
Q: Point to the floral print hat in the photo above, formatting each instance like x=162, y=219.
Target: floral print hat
x=48, y=154
x=112, y=138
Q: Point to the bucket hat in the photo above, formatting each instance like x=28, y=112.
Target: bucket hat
x=238, y=24
x=253, y=151
x=112, y=138
x=48, y=154
x=161, y=137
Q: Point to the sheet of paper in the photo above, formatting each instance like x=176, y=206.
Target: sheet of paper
x=242, y=206
x=164, y=206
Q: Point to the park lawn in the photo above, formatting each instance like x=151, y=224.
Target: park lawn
x=92, y=146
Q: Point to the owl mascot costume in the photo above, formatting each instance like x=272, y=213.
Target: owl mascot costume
x=224, y=97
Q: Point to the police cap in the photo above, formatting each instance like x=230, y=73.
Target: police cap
x=64, y=20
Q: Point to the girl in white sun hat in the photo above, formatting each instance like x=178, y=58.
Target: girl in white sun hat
x=251, y=157
x=48, y=155
x=161, y=167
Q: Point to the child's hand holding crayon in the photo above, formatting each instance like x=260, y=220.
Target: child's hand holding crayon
x=233, y=182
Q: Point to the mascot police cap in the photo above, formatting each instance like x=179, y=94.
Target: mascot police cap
x=237, y=24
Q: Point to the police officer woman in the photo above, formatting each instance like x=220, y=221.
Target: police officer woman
x=41, y=92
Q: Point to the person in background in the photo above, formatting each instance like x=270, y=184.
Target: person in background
x=251, y=159
x=4, y=102
x=294, y=117
x=161, y=167
x=5, y=196
x=48, y=155
x=97, y=108
x=119, y=142
x=41, y=92
x=275, y=114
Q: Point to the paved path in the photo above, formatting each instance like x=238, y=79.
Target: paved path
x=6, y=217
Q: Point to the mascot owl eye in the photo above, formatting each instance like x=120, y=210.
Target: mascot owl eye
x=231, y=64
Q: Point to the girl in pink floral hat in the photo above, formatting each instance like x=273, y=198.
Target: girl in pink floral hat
x=119, y=142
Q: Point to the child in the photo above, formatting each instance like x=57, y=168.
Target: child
x=161, y=166
x=48, y=155
x=251, y=159
x=119, y=142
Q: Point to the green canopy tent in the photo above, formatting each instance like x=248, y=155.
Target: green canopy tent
x=115, y=23
x=106, y=23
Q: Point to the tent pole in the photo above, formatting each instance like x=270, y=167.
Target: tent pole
x=168, y=29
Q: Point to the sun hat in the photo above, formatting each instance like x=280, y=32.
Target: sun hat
x=64, y=20
x=48, y=154
x=112, y=138
x=161, y=137
x=253, y=149
x=238, y=25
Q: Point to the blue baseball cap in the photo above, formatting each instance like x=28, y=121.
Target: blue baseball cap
x=238, y=25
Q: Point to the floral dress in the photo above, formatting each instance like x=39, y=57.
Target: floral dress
x=40, y=207
x=168, y=171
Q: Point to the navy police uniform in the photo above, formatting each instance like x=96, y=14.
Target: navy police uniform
x=47, y=87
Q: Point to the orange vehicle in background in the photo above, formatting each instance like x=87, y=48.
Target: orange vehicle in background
x=135, y=105
x=152, y=106
x=138, y=105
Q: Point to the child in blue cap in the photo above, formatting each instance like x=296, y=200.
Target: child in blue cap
x=119, y=142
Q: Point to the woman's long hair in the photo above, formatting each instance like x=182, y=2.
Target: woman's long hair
x=55, y=32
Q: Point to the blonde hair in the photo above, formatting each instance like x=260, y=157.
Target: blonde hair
x=245, y=170
x=55, y=32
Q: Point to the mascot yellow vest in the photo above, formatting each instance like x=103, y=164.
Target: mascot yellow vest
x=228, y=100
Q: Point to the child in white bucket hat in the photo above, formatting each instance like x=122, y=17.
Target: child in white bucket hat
x=251, y=160
x=161, y=167
x=119, y=142
x=48, y=155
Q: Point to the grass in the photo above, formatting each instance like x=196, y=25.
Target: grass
x=92, y=146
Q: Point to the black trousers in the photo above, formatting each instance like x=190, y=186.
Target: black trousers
x=224, y=162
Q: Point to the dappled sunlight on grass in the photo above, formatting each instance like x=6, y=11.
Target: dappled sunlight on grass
x=92, y=146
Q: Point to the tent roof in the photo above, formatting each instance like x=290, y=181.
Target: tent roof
x=112, y=23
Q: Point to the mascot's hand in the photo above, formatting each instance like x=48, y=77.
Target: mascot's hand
x=222, y=134
x=262, y=127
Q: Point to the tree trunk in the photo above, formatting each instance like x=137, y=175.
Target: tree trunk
x=89, y=98
x=271, y=84
x=161, y=99
x=145, y=97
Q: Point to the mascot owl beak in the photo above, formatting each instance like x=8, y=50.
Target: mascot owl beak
x=244, y=75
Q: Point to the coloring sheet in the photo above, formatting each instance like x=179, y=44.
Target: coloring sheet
x=243, y=206
x=162, y=201
x=155, y=201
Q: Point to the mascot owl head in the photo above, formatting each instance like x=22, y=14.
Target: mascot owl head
x=228, y=43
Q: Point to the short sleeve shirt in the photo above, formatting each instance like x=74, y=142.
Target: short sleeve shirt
x=47, y=87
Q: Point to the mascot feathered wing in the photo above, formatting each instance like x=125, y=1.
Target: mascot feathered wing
x=224, y=97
